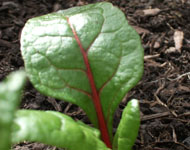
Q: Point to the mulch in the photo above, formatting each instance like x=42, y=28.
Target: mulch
x=163, y=92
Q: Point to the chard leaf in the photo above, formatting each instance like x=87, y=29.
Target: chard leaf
x=128, y=128
x=87, y=55
x=10, y=95
x=55, y=129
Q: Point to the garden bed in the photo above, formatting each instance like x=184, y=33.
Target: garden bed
x=163, y=92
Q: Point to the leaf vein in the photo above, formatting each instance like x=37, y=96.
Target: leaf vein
x=105, y=83
x=56, y=36
x=50, y=62
x=95, y=37
x=69, y=86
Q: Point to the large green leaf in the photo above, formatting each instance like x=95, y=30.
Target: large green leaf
x=58, y=47
x=128, y=128
x=10, y=95
x=55, y=129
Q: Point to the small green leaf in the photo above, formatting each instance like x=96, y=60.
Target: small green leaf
x=55, y=129
x=128, y=127
x=84, y=55
x=10, y=95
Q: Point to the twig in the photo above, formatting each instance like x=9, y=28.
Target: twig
x=155, y=116
x=151, y=56
x=160, y=142
x=179, y=77
x=5, y=43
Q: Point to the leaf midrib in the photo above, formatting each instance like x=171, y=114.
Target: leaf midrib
x=95, y=96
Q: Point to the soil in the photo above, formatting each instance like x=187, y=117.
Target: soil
x=163, y=92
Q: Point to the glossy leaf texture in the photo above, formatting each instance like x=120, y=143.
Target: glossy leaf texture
x=55, y=129
x=10, y=95
x=55, y=64
x=128, y=128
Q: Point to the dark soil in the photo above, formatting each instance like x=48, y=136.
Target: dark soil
x=164, y=91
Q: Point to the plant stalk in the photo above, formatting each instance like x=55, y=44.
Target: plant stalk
x=96, y=99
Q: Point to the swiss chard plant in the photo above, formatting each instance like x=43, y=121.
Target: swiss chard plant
x=10, y=95
x=89, y=56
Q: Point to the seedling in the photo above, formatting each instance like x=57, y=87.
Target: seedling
x=88, y=56
x=10, y=95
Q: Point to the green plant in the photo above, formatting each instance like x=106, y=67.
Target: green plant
x=88, y=56
x=10, y=94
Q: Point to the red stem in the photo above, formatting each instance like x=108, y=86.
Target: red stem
x=96, y=99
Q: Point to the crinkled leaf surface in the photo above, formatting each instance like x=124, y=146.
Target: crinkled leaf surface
x=54, y=59
x=10, y=95
x=55, y=129
x=128, y=128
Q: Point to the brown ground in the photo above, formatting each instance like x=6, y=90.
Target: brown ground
x=164, y=91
